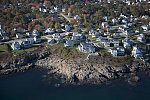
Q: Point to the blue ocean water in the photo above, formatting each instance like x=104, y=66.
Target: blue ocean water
x=31, y=86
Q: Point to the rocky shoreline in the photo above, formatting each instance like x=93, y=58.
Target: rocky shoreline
x=73, y=71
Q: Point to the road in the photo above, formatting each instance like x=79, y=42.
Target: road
x=45, y=37
x=65, y=17
x=11, y=41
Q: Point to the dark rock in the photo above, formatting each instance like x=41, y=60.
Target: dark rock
x=133, y=80
x=1, y=67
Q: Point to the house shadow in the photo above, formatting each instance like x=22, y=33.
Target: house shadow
x=99, y=48
x=35, y=45
x=44, y=40
x=1, y=52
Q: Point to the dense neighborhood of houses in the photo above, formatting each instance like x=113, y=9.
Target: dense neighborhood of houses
x=116, y=43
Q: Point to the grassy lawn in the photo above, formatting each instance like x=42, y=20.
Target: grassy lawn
x=3, y=48
x=120, y=56
x=133, y=37
x=17, y=52
x=104, y=52
x=94, y=41
x=100, y=44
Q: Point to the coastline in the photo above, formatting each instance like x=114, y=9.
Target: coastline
x=73, y=71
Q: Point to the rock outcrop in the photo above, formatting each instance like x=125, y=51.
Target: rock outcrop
x=74, y=71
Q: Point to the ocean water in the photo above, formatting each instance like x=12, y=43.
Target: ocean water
x=31, y=86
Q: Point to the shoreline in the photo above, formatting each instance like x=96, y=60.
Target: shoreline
x=56, y=80
x=74, y=71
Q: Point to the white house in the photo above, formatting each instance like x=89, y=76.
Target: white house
x=101, y=39
x=69, y=14
x=5, y=38
x=113, y=51
x=106, y=18
x=138, y=31
x=64, y=10
x=119, y=51
x=107, y=43
x=60, y=40
x=51, y=41
x=115, y=43
x=95, y=34
x=127, y=43
x=78, y=37
x=136, y=52
x=56, y=35
x=145, y=17
x=128, y=32
x=124, y=21
x=131, y=25
x=15, y=46
x=19, y=5
x=106, y=34
x=105, y=24
x=31, y=40
x=0, y=27
x=52, y=11
x=3, y=33
x=58, y=30
x=108, y=1
x=69, y=43
x=42, y=9
x=49, y=30
x=114, y=21
x=25, y=44
x=67, y=28
x=117, y=35
x=37, y=39
x=19, y=36
x=57, y=8
x=145, y=27
x=77, y=17
x=87, y=47
x=35, y=33
x=29, y=33
x=141, y=38
x=91, y=32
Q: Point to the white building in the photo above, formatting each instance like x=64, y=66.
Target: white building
x=115, y=43
x=127, y=43
x=87, y=47
x=56, y=35
x=119, y=51
x=35, y=33
x=78, y=37
x=31, y=40
x=37, y=39
x=15, y=46
x=19, y=36
x=69, y=43
x=114, y=21
x=67, y=28
x=105, y=24
x=141, y=38
x=95, y=34
x=51, y=41
x=77, y=17
x=29, y=33
x=145, y=27
x=49, y=30
x=136, y=52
